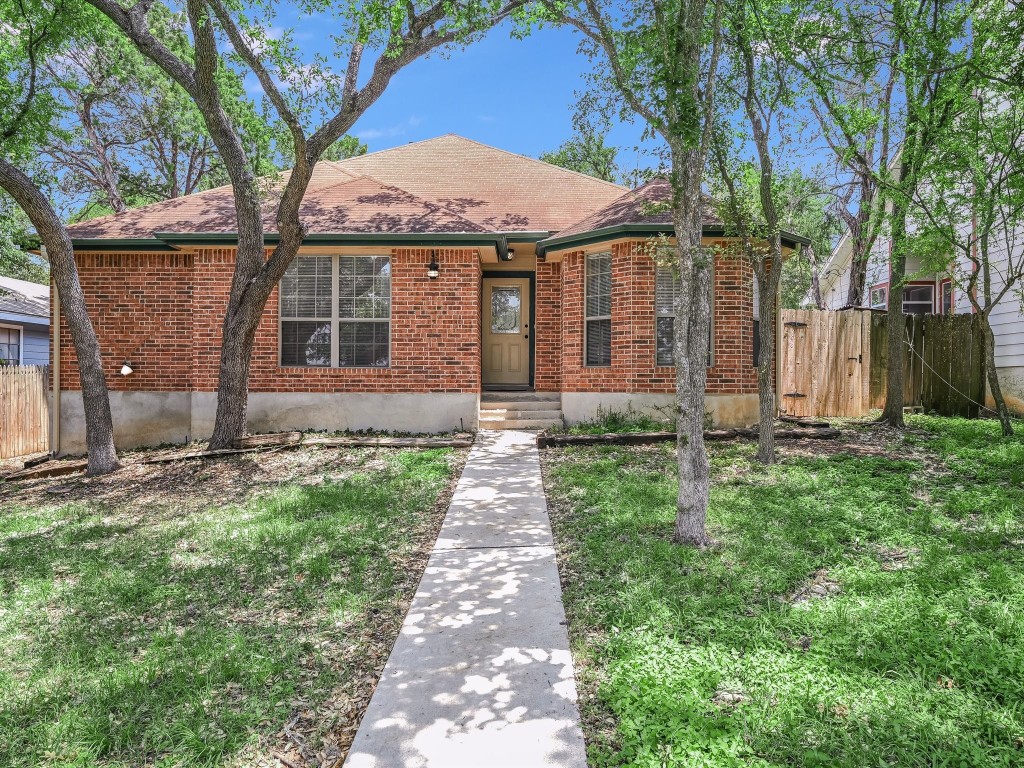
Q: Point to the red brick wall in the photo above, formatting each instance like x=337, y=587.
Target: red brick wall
x=547, y=328
x=164, y=312
x=435, y=334
x=141, y=307
x=633, y=366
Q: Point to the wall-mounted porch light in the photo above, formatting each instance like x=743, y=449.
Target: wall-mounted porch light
x=126, y=369
x=433, y=270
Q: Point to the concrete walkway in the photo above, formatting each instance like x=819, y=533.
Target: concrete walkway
x=481, y=675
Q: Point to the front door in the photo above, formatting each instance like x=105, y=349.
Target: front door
x=506, y=332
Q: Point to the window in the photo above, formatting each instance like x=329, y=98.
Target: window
x=10, y=346
x=918, y=299
x=336, y=311
x=364, y=311
x=666, y=288
x=506, y=306
x=947, y=297
x=598, y=310
x=879, y=297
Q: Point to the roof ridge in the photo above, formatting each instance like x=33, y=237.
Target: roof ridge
x=398, y=146
x=538, y=161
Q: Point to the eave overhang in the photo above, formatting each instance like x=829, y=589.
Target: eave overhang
x=619, y=231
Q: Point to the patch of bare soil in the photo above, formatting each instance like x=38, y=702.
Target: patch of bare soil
x=818, y=586
x=190, y=485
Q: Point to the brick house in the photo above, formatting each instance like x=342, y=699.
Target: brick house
x=444, y=285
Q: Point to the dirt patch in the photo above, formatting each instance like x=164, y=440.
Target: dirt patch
x=194, y=484
x=819, y=586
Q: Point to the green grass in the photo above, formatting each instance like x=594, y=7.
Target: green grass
x=917, y=660
x=141, y=633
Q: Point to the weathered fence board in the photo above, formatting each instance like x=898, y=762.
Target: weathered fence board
x=835, y=363
x=24, y=410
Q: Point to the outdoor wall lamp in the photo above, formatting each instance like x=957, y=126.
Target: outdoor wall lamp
x=127, y=369
x=433, y=270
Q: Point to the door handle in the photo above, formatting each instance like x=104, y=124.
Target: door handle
x=526, y=336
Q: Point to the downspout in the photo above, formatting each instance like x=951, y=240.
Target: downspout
x=55, y=325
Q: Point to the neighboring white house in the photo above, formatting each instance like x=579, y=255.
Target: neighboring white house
x=937, y=293
x=24, y=322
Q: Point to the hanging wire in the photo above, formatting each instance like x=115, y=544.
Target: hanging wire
x=948, y=383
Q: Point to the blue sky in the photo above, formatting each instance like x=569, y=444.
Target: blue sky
x=518, y=95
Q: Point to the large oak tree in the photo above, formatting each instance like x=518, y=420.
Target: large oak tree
x=659, y=59
x=33, y=31
x=317, y=103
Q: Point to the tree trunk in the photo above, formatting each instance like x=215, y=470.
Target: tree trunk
x=239, y=331
x=1002, y=412
x=892, y=413
x=812, y=258
x=858, y=273
x=99, y=429
x=690, y=348
x=768, y=276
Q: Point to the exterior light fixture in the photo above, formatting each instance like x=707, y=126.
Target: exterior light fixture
x=127, y=369
x=433, y=270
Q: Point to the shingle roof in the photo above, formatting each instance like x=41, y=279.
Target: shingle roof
x=447, y=184
x=649, y=204
x=647, y=207
x=24, y=298
x=499, y=190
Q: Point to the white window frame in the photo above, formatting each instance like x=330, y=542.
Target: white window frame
x=930, y=303
x=885, y=297
x=336, y=320
x=587, y=318
x=21, y=341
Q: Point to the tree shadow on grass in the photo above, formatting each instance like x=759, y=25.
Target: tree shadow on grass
x=900, y=665
x=189, y=636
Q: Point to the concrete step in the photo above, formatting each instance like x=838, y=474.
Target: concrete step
x=520, y=397
x=521, y=405
x=519, y=423
x=517, y=412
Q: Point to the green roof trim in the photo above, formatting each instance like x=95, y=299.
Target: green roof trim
x=789, y=239
x=121, y=244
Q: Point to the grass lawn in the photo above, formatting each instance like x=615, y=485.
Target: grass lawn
x=228, y=612
x=864, y=605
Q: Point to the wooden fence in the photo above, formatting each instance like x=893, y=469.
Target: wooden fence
x=24, y=410
x=835, y=363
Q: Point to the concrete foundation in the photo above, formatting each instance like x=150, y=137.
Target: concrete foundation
x=720, y=410
x=156, y=418
x=1011, y=382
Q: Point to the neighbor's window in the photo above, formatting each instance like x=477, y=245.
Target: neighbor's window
x=336, y=311
x=879, y=297
x=947, y=297
x=10, y=346
x=598, y=310
x=918, y=299
x=666, y=288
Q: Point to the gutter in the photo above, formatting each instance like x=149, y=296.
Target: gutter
x=789, y=239
x=174, y=241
